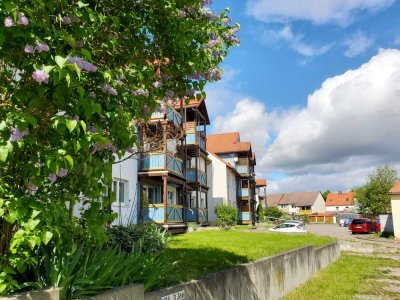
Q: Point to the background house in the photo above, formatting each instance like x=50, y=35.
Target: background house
x=395, y=202
x=222, y=181
x=261, y=185
x=340, y=201
x=298, y=203
x=240, y=156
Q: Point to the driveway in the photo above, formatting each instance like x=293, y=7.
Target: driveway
x=343, y=233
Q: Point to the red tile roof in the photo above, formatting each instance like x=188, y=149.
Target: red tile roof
x=227, y=143
x=340, y=199
x=261, y=182
x=395, y=190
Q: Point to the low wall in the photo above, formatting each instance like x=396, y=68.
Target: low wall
x=267, y=278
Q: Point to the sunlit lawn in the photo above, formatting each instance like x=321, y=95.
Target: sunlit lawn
x=202, y=252
x=342, y=280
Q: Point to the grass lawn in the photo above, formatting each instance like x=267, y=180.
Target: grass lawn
x=202, y=252
x=347, y=277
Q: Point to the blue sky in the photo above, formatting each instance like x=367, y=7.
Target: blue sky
x=289, y=48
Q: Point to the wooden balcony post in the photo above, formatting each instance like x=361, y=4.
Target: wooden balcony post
x=165, y=198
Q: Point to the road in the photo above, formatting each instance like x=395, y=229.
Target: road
x=343, y=233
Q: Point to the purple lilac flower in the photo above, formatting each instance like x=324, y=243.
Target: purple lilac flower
x=67, y=20
x=41, y=76
x=157, y=84
x=8, y=22
x=62, y=172
x=226, y=21
x=52, y=177
x=213, y=43
x=96, y=148
x=92, y=129
x=182, y=13
x=79, y=44
x=17, y=135
x=76, y=118
x=206, y=2
x=214, y=74
x=190, y=92
x=82, y=64
x=29, y=49
x=32, y=189
x=22, y=20
x=207, y=12
x=41, y=47
x=109, y=89
x=140, y=92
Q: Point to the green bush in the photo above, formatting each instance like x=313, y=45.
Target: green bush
x=273, y=213
x=146, y=238
x=260, y=213
x=227, y=216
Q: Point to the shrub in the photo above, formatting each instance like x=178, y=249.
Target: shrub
x=273, y=213
x=146, y=238
x=260, y=213
x=227, y=216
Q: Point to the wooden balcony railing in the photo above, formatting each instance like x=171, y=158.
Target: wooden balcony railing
x=155, y=213
x=242, y=169
x=305, y=211
x=243, y=193
x=196, y=138
x=201, y=176
x=154, y=161
x=171, y=114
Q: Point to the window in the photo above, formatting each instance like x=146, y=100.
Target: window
x=337, y=207
x=152, y=194
x=193, y=200
x=170, y=197
x=245, y=184
x=120, y=189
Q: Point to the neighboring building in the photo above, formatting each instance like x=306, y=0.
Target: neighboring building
x=125, y=187
x=195, y=121
x=239, y=155
x=395, y=202
x=223, y=179
x=261, y=185
x=162, y=181
x=299, y=203
x=340, y=202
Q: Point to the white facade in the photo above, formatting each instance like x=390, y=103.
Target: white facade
x=319, y=205
x=222, y=186
x=340, y=208
x=125, y=176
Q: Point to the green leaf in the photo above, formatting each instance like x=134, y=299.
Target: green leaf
x=48, y=69
x=46, y=237
x=3, y=125
x=70, y=160
x=61, y=61
x=71, y=125
x=83, y=125
x=3, y=153
x=81, y=4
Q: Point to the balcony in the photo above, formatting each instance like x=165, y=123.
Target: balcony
x=155, y=213
x=192, y=214
x=304, y=211
x=243, y=169
x=201, y=176
x=196, y=138
x=154, y=161
x=243, y=193
x=171, y=115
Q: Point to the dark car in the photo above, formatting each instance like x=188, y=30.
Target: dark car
x=362, y=226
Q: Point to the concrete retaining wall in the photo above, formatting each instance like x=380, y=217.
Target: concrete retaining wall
x=268, y=278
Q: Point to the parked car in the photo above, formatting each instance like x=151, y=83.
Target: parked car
x=347, y=222
x=289, y=227
x=362, y=226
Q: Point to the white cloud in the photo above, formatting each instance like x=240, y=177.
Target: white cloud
x=342, y=12
x=352, y=121
x=295, y=41
x=357, y=44
x=223, y=94
x=250, y=119
x=350, y=125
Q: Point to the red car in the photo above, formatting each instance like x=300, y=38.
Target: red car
x=362, y=226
